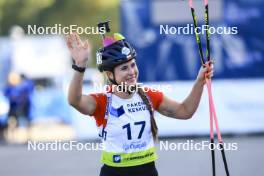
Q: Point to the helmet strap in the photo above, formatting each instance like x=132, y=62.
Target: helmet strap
x=113, y=81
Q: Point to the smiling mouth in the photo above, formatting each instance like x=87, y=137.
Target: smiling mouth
x=131, y=79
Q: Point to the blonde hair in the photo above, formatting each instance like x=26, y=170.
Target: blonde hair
x=154, y=128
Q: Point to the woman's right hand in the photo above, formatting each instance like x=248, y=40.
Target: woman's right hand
x=80, y=51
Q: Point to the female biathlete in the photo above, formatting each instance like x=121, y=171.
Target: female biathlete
x=125, y=116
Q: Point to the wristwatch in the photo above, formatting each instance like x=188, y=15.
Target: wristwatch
x=79, y=69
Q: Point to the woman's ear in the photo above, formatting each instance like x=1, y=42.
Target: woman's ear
x=109, y=74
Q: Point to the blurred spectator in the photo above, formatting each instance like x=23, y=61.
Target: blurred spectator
x=18, y=91
x=4, y=109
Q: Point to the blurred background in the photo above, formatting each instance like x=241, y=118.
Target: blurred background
x=35, y=71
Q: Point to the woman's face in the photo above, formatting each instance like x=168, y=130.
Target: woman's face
x=126, y=73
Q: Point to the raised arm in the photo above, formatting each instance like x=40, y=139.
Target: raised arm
x=186, y=109
x=79, y=51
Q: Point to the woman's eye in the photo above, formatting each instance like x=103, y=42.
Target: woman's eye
x=133, y=65
x=124, y=68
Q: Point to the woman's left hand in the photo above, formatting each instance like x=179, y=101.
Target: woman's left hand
x=206, y=71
